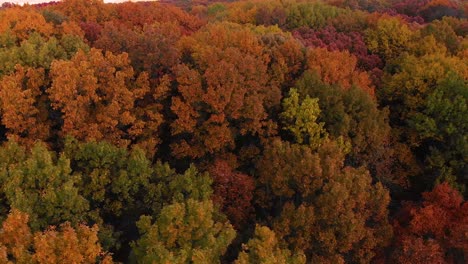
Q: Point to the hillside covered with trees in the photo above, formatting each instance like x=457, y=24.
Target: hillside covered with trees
x=257, y=131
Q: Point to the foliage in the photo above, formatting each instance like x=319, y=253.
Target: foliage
x=41, y=185
x=264, y=248
x=96, y=95
x=147, y=129
x=232, y=192
x=65, y=244
x=300, y=119
x=420, y=238
x=183, y=232
x=324, y=208
x=225, y=95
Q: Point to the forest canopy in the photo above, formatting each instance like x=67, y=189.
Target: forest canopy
x=255, y=131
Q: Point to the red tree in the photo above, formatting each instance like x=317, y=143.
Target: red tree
x=433, y=231
x=232, y=191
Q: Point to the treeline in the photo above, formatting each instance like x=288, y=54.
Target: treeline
x=237, y=131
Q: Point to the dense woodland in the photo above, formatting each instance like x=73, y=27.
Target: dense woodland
x=259, y=131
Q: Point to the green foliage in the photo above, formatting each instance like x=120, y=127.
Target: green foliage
x=216, y=11
x=113, y=179
x=187, y=232
x=314, y=15
x=300, y=119
x=39, y=52
x=442, y=128
x=37, y=183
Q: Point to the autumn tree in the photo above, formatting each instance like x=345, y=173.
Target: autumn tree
x=152, y=48
x=96, y=94
x=232, y=192
x=271, y=13
x=353, y=115
x=444, y=33
x=407, y=92
x=53, y=245
x=140, y=14
x=433, y=230
x=224, y=91
x=184, y=232
x=84, y=10
x=334, y=40
x=388, y=38
x=23, y=106
x=265, y=248
x=19, y=23
x=338, y=67
x=286, y=55
x=320, y=206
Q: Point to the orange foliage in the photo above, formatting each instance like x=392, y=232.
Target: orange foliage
x=338, y=67
x=69, y=245
x=21, y=22
x=23, y=106
x=96, y=95
x=225, y=94
x=138, y=14
x=84, y=10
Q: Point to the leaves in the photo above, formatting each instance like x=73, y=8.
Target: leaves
x=301, y=119
x=183, y=232
x=68, y=244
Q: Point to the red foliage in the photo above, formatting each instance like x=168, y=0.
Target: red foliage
x=329, y=38
x=233, y=192
x=434, y=231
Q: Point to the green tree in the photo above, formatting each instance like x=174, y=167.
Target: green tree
x=415, y=89
x=314, y=15
x=37, y=51
x=121, y=185
x=442, y=129
x=41, y=185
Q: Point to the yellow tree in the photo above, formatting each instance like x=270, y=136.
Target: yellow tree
x=265, y=248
